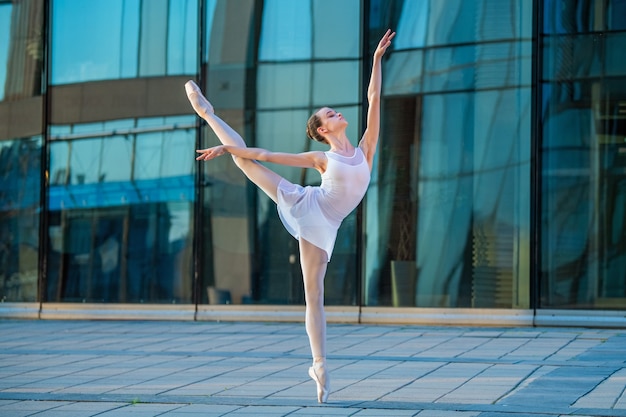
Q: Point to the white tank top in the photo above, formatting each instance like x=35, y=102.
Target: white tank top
x=344, y=183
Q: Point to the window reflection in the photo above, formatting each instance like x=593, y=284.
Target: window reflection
x=5, y=34
x=21, y=49
x=344, y=92
x=113, y=39
x=269, y=107
x=447, y=220
x=286, y=30
x=21, y=105
x=583, y=182
x=320, y=36
x=334, y=31
x=20, y=169
x=283, y=85
x=448, y=215
x=121, y=214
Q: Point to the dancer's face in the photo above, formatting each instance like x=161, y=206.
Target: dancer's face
x=331, y=119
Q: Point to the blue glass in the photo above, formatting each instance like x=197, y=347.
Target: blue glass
x=320, y=37
x=344, y=93
x=103, y=40
x=448, y=213
x=467, y=67
x=20, y=167
x=581, y=16
x=21, y=54
x=344, y=17
x=91, y=40
x=121, y=213
x=283, y=85
x=210, y=6
x=583, y=186
x=286, y=30
x=5, y=37
x=433, y=22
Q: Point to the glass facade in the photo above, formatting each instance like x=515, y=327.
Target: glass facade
x=448, y=219
x=497, y=182
x=21, y=140
x=120, y=208
x=583, y=155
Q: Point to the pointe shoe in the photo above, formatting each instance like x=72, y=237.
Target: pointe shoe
x=199, y=103
x=322, y=379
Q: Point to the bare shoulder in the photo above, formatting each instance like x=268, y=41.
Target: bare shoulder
x=319, y=159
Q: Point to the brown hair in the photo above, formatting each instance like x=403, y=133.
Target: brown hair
x=311, y=128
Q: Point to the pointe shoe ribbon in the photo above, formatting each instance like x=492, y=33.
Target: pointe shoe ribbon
x=320, y=376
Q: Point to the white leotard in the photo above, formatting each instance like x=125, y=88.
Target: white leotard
x=315, y=213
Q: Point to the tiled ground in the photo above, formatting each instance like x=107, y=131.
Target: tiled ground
x=185, y=369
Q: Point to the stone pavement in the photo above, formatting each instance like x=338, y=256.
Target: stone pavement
x=186, y=369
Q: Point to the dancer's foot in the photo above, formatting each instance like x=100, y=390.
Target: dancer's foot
x=320, y=375
x=199, y=103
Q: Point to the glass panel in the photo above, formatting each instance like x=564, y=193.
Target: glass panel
x=228, y=276
x=286, y=30
x=344, y=19
x=345, y=83
x=269, y=108
x=583, y=190
x=435, y=22
x=283, y=85
x=182, y=37
x=210, y=6
x=21, y=49
x=112, y=39
x=278, y=250
x=583, y=16
x=121, y=217
x=20, y=167
x=477, y=66
x=448, y=215
x=403, y=73
x=21, y=115
x=5, y=36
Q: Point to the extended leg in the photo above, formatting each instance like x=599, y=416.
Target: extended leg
x=266, y=179
x=314, y=261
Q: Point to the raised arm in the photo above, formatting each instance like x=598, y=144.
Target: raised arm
x=369, y=141
x=313, y=159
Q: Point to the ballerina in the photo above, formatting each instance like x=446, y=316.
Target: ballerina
x=311, y=214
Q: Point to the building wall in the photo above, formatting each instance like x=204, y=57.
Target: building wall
x=497, y=183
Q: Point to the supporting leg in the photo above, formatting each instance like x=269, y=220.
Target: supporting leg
x=314, y=262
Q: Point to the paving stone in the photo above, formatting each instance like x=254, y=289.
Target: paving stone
x=178, y=369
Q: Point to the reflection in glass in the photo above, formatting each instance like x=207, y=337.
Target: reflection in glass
x=113, y=39
x=286, y=33
x=340, y=93
x=583, y=188
x=5, y=36
x=448, y=215
x=334, y=28
x=121, y=216
x=20, y=165
x=21, y=49
x=21, y=104
x=283, y=85
x=269, y=107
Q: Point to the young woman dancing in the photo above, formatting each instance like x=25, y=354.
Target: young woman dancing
x=311, y=214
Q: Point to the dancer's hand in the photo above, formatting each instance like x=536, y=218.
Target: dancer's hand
x=384, y=43
x=210, y=153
